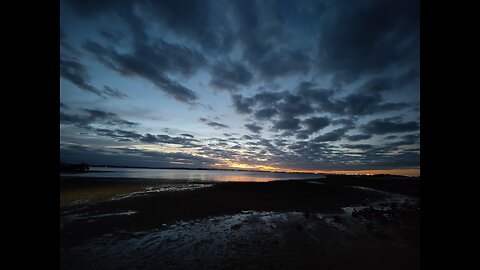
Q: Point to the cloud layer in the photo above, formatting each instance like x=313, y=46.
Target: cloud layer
x=289, y=84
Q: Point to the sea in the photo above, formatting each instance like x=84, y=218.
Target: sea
x=192, y=175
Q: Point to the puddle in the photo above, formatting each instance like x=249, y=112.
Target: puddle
x=216, y=241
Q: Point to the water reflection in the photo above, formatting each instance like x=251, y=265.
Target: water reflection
x=193, y=175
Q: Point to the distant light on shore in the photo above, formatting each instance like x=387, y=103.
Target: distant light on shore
x=401, y=172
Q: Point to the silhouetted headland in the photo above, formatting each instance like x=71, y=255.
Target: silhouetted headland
x=82, y=167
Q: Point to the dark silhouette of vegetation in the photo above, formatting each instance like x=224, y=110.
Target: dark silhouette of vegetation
x=82, y=167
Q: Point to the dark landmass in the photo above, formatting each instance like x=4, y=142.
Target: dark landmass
x=389, y=183
x=341, y=222
x=74, y=168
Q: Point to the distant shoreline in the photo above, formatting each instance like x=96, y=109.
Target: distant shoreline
x=352, y=173
x=200, y=169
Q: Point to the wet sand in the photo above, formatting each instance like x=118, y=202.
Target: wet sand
x=341, y=222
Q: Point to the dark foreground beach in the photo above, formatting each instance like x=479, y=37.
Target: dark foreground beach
x=339, y=222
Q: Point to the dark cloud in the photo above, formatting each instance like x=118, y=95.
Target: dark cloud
x=166, y=139
x=132, y=136
x=286, y=124
x=260, y=31
x=287, y=133
x=314, y=124
x=334, y=135
x=294, y=105
x=309, y=90
x=358, y=137
x=235, y=147
x=385, y=83
x=193, y=19
x=298, y=145
x=124, y=140
x=303, y=134
x=246, y=137
x=283, y=63
x=70, y=119
x=345, y=122
x=149, y=138
x=269, y=104
x=131, y=157
x=77, y=74
x=214, y=124
x=377, y=84
x=266, y=113
x=320, y=97
x=187, y=135
x=118, y=134
x=358, y=146
x=280, y=142
x=151, y=63
x=253, y=128
x=354, y=104
x=408, y=78
x=113, y=37
x=414, y=138
x=406, y=140
x=113, y=92
x=365, y=37
x=359, y=104
x=311, y=155
x=389, y=125
x=229, y=75
x=307, y=100
x=66, y=47
x=89, y=8
x=91, y=116
x=107, y=117
x=268, y=98
x=128, y=134
x=242, y=105
x=256, y=36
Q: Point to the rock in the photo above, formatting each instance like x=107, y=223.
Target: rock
x=337, y=219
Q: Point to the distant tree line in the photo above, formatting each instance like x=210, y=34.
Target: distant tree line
x=82, y=167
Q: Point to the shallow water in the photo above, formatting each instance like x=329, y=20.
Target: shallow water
x=117, y=191
x=192, y=175
x=254, y=239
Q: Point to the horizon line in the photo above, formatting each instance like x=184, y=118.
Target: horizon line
x=412, y=172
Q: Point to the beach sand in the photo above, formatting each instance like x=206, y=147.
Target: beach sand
x=340, y=222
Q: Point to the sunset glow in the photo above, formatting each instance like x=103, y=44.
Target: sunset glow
x=403, y=172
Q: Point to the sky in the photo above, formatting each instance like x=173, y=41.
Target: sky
x=321, y=86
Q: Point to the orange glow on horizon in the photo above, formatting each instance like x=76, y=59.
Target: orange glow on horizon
x=256, y=167
x=404, y=172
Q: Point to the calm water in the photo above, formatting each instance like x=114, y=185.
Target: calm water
x=192, y=175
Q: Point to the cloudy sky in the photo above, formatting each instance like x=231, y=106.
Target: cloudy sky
x=284, y=85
